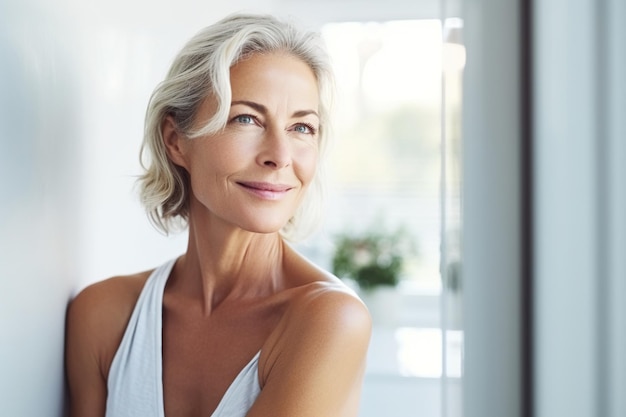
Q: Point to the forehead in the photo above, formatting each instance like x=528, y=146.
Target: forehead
x=271, y=76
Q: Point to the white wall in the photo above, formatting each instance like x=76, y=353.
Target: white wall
x=39, y=154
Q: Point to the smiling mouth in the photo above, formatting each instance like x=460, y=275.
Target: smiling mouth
x=266, y=190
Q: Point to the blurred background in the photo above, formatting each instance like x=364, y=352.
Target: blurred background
x=477, y=198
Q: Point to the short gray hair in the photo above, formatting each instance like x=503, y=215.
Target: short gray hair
x=201, y=68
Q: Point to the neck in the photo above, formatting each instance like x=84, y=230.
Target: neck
x=226, y=263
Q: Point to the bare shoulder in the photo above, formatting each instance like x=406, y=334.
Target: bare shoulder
x=323, y=314
x=113, y=292
x=98, y=315
x=107, y=301
x=96, y=320
x=330, y=300
x=324, y=299
x=316, y=363
x=324, y=294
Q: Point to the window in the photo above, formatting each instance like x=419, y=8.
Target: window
x=385, y=166
x=395, y=165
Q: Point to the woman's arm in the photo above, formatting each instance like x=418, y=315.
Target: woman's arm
x=96, y=320
x=87, y=386
x=316, y=368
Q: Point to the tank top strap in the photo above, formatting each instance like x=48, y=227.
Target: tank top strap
x=135, y=382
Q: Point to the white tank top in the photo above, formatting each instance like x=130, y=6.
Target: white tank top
x=135, y=384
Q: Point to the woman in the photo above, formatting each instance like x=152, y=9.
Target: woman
x=240, y=324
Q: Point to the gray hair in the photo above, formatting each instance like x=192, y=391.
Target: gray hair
x=201, y=68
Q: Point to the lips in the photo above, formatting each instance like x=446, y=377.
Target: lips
x=266, y=190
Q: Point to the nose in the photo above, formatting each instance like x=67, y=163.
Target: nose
x=275, y=150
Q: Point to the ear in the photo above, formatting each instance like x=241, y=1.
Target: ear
x=173, y=141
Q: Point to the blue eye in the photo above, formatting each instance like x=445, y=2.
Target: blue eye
x=244, y=119
x=304, y=128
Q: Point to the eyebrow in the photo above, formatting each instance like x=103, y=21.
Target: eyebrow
x=263, y=110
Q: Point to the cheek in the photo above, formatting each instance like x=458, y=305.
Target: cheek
x=308, y=160
x=218, y=156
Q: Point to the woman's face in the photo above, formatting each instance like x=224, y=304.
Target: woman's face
x=253, y=174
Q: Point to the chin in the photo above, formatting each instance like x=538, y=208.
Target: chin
x=263, y=220
x=265, y=227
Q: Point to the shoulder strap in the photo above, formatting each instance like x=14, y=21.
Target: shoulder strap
x=135, y=384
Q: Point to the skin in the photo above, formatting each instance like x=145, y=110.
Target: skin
x=238, y=277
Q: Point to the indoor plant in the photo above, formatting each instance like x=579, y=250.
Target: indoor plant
x=374, y=260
